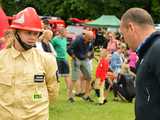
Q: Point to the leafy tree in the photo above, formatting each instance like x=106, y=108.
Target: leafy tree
x=80, y=9
x=91, y=9
x=155, y=9
x=113, y=7
x=8, y=6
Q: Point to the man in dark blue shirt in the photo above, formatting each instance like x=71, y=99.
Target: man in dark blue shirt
x=80, y=51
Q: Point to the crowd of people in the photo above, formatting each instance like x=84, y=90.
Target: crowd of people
x=33, y=60
x=78, y=73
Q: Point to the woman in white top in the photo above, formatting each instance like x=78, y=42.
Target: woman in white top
x=44, y=42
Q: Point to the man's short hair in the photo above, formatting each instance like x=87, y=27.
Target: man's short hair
x=138, y=16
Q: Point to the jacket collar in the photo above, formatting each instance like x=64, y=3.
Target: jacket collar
x=26, y=54
x=141, y=51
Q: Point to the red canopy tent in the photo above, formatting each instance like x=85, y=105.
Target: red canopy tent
x=76, y=20
x=4, y=25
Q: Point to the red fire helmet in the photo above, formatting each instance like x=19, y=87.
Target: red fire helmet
x=27, y=19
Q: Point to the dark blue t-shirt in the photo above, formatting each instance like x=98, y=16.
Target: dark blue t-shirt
x=80, y=49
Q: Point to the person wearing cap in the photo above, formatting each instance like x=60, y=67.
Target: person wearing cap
x=80, y=51
x=27, y=75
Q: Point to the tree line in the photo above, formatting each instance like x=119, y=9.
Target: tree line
x=83, y=9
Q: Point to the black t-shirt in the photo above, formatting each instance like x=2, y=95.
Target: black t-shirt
x=46, y=47
x=105, y=43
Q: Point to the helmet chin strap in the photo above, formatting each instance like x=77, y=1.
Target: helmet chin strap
x=23, y=44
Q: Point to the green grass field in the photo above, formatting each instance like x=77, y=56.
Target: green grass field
x=81, y=110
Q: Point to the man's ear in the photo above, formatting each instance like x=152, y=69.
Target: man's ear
x=131, y=27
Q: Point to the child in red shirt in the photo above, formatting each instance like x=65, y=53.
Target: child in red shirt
x=101, y=73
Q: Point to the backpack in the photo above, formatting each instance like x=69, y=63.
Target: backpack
x=130, y=85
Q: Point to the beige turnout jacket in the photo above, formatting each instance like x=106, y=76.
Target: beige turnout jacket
x=27, y=84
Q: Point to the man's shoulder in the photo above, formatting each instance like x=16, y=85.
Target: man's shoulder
x=77, y=41
x=79, y=38
x=156, y=45
x=55, y=39
x=154, y=38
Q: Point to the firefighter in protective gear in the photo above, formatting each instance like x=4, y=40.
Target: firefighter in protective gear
x=27, y=76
